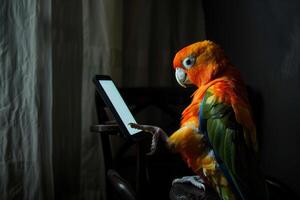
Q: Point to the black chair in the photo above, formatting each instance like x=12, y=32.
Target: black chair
x=120, y=187
x=138, y=99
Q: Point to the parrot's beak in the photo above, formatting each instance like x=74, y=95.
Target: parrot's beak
x=182, y=78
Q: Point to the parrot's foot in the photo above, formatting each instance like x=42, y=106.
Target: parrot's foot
x=156, y=134
x=194, y=180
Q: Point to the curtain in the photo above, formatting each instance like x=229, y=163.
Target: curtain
x=25, y=100
x=49, y=52
x=102, y=47
x=67, y=90
x=102, y=54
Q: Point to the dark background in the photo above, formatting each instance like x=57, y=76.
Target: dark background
x=262, y=39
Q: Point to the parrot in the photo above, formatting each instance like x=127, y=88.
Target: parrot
x=217, y=135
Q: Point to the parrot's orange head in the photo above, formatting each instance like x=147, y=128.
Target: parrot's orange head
x=199, y=63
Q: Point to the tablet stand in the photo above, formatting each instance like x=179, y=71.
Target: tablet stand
x=121, y=186
x=166, y=100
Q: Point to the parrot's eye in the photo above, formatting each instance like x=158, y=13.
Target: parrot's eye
x=188, y=62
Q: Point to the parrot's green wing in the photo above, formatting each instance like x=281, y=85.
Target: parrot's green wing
x=235, y=158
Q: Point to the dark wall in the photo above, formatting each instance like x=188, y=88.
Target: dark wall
x=262, y=38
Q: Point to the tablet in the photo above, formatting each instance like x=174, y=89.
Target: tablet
x=114, y=101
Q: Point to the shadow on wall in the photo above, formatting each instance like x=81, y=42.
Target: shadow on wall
x=257, y=105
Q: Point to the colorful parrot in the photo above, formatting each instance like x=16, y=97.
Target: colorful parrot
x=217, y=136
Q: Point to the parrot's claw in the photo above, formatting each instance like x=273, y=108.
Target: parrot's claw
x=154, y=143
x=156, y=134
x=146, y=128
x=194, y=180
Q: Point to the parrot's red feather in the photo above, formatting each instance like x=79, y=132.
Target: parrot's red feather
x=212, y=70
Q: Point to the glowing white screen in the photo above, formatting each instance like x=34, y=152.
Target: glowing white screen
x=119, y=104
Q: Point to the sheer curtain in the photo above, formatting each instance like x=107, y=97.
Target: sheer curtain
x=49, y=52
x=102, y=54
x=25, y=100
